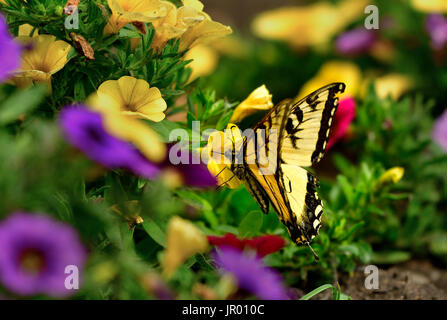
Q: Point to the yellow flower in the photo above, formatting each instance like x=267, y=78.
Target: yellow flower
x=204, y=61
x=392, y=85
x=391, y=176
x=167, y=27
x=205, y=31
x=189, y=23
x=127, y=11
x=311, y=25
x=135, y=98
x=184, y=240
x=430, y=6
x=334, y=71
x=26, y=29
x=216, y=158
x=260, y=99
x=128, y=128
x=46, y=57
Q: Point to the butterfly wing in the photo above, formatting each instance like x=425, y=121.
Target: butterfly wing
x=292, y=192
x=304, y=126
x=297, y=133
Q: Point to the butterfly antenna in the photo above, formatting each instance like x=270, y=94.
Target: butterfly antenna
x=313, y=252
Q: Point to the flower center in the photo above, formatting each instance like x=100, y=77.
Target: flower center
x=32, y=261
x=130, y=107
x=95, y=135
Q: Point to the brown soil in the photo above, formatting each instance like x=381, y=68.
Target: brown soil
x=414, y=280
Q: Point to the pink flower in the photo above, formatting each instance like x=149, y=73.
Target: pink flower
x=343, y=118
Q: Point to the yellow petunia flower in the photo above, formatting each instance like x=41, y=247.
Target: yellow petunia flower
x=204, y=61
x=26, y=29
x=184, y=240
x=392, y=85
x=46, y=57
x=128, y=11
x=391, y=176
x=335, y=71
x=215, y=155
x=203, y=32
x=260, y=99
x=311, y=25
x=189, y=23
x=135, y=98
x=128, y=128
x=430, y=6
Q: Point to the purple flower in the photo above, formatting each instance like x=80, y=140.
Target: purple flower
x=34, y=253
x=85, y=130
x=436, y=26
x=193, y=172
x=440, y=131
x=355, y=41
x=252, y=275
x=9, y=53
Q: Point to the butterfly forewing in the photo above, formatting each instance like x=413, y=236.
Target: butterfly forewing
x=304, y=125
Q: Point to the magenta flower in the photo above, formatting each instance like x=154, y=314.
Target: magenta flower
x=436, y=26
x=251, y=274
x=343, y=118
x=9, y=51
x=355, y=41
x=84, y=129
x=34, y=253
x=440, y=131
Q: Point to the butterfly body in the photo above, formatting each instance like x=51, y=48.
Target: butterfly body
x=269, y=159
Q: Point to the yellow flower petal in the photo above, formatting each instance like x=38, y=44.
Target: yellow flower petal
x=184, y=240
x=259, y=99
x=204, y=61
x=391, y=176
x=310, y=25
x=215, y=155
x=127, y=11
x=26, y=29
x=128, y=128
x=203, y=32
x=334, y=71
x=196, y=4
x=392, y=85
x=135, y=97
x=430, y=6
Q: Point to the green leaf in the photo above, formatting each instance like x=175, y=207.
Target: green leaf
x=390, y=257
x=251, y=224
x=155, y=232
x=317, y=291
x=21, y=103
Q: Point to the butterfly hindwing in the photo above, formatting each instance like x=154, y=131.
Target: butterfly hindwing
x=292, y=192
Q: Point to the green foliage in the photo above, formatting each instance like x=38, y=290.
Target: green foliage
x=365, y=221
